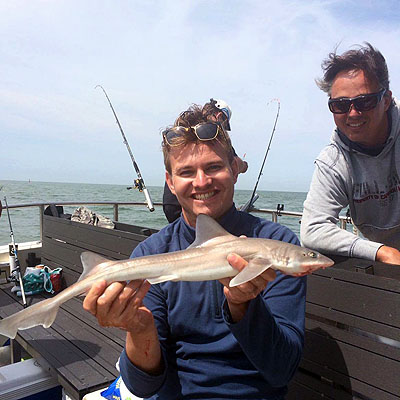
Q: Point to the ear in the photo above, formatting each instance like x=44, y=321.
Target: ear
x=388, y=99
x=168, y=179
x=235, y=169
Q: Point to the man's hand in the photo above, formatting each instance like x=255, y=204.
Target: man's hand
x=388, y=255
x=238, y=297
x=121, y=305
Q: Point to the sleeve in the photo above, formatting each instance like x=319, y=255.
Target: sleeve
x=277, y=316
x=318, y=230
x=137, y=381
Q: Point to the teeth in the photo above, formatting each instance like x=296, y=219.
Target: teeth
x=355, y=125
x=204, y=196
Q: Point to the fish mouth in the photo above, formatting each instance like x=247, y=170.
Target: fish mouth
x=204, y=196
x=323, y=262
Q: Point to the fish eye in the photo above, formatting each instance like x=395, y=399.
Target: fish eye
x=312, y=254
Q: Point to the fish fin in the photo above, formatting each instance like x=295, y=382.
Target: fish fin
x=255, y=267
x=92, y=263
x=50, y=317
x=162, y=278
x=206, y=229
x=7, y=328
x=42, y=313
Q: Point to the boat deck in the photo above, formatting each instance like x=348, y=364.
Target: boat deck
x=75, y=348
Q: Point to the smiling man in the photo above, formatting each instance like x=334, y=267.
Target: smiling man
x=205, y=340
x=360, y=167
x=217, y=111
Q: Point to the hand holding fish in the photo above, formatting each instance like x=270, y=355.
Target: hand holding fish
x=238, y=297
x=120, y=305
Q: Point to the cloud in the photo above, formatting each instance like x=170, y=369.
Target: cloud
x=155, y=59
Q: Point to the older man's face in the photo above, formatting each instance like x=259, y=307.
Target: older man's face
x=202, y=179
x=370, y=127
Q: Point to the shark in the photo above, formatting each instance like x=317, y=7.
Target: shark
x=205, y=259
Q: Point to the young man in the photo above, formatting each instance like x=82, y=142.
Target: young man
x=360, y=167
x=217, y=110
x=189, y=340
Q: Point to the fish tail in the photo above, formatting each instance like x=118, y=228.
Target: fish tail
x=42, y=313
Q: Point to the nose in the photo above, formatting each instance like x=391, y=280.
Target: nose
x=201, y=179
x=352, y=110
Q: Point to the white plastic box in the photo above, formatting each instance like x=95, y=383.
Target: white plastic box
x=27, y=380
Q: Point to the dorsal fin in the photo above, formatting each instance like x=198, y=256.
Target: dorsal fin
x=92, y=263
x=206, y=229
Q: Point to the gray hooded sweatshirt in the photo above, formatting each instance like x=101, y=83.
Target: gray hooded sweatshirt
x=369, y=185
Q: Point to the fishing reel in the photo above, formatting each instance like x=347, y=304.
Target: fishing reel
x=138, y=184
x=279, y=209
x=13, y=278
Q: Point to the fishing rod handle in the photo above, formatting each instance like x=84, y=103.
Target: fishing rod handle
x=149, y=202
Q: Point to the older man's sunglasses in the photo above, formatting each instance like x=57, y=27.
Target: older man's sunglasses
x=203, y=131
x=364, y=102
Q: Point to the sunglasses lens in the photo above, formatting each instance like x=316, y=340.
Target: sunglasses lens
x=339, y=106
x=366, y=103
x=173, y=135
x=206, y=131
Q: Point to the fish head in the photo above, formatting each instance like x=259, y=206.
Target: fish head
x=292, y=259
x=307, y=261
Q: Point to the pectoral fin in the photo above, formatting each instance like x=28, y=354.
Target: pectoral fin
x=162, y=278
x=255, y=267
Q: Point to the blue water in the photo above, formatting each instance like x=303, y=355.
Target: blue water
x=25, y=221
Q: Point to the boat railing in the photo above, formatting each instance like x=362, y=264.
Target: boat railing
x=344, y=221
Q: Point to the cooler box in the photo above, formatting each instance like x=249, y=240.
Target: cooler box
x=27, y=380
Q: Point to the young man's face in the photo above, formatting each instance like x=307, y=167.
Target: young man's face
x=202, y=179
x=366, y=127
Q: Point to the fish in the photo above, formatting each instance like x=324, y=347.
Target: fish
x=205, y=259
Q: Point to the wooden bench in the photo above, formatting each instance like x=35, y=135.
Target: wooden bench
x=352, y=342
x=80, y=353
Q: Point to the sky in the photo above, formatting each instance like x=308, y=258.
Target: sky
x=155, y=59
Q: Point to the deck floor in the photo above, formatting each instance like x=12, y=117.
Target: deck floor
x=75, y=348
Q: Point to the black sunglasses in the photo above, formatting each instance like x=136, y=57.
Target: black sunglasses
x=364, y=102
x=203, y=131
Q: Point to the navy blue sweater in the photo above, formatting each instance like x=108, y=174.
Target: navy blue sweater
x=206, y=355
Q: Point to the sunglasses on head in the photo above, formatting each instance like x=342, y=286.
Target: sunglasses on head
x=364, y=102
x=203, y=131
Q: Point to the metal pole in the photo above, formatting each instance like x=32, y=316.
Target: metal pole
x=17, y=270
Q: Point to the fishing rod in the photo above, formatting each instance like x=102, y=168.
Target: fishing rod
x=250, y=204
x=139, y=182
x=15, y=272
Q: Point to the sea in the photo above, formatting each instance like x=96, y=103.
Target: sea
x=26, y=224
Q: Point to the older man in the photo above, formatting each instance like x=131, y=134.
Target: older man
x=188, y=340
x=360, y=167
